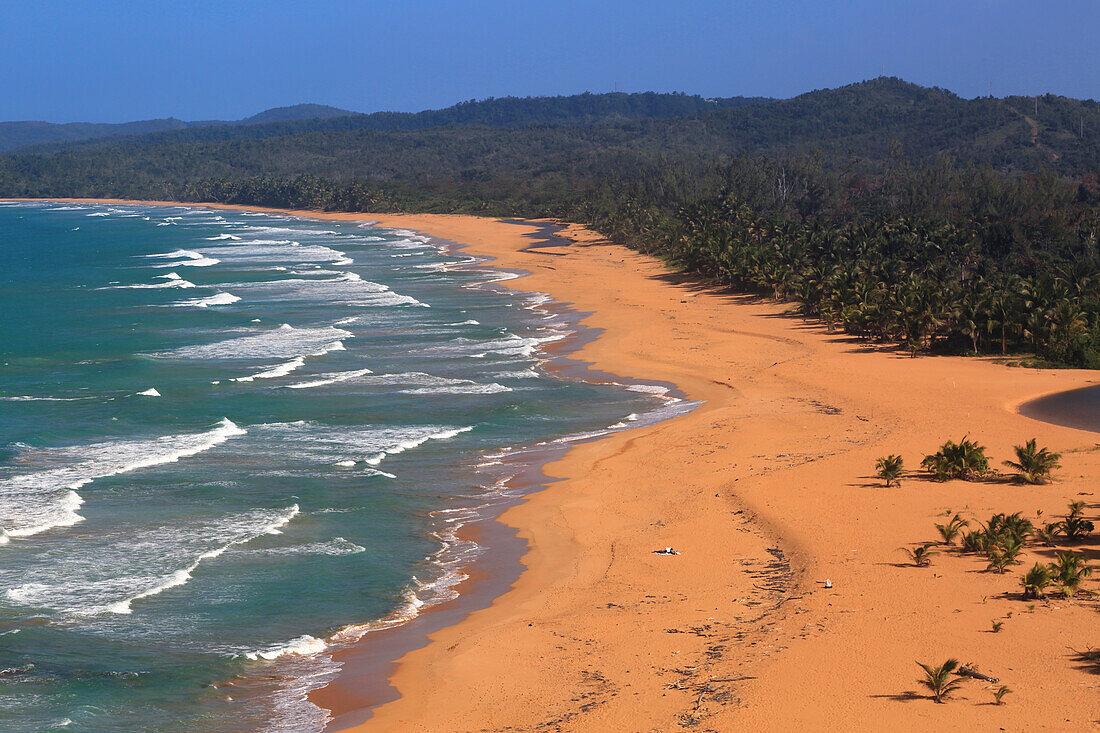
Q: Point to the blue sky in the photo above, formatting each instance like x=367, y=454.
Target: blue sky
x=104, y=60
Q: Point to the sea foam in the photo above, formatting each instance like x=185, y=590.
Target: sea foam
x=284, y=342
x=34, y=502
x=186, y=257
x=211, y=300
x=137, y=563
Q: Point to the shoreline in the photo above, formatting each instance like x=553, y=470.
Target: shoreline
x=766, y=491
x=362, y=684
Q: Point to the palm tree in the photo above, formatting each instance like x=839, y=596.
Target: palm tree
x=976, y=541
x=1000, y=560
x=963, y=460
x=1069, y=572
x=1034, y=463
x=1075, y=526
x=951, y=530
x=1002, y=528
x=889, y=469
x=1036, y=581
x=999, y=693
x=920, y=555
x=1047, y=533
x=1002, y=314
x=938, y=679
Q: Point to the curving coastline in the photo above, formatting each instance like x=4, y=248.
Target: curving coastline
x=765, y=490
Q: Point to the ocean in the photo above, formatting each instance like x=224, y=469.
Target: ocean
x=231, y=442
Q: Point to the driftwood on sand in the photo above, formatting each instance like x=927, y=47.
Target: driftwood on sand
x=965, y=671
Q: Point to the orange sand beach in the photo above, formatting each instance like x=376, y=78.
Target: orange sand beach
x=766, y=490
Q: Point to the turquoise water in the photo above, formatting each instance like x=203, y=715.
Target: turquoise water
x=230, y=442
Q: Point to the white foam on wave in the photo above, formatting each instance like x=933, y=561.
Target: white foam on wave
x=31, y=503
x=35, y=398
x=151, y=392
x=438, y=266
x=280, y=370
x=321, y=380
x=653, y=389
x=284, y=342
x=416, y=442
x=289, y=230
x=453, y=555
x=180, y=577
x=335, y=547
x=137, y=562
x=201, y=262
x=495, y=276
x=221, y=298
x=506, y=345
x=185, y=257
x=263, y=251
x=409, y=382
x=347, y=288
x=329, y=445
x=302, y=645
x=472, y=388
x=171, y=280
x=220, y=237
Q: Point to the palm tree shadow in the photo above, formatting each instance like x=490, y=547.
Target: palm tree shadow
x=906, y=696
x=1087, y=660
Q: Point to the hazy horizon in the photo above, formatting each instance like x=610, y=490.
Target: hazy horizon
x=492, y=96
x=122, y=61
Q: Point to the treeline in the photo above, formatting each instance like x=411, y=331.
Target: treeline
x=892, y=240
x=947, y=258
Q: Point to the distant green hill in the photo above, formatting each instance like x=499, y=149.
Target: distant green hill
x=19, y=134
x=296, y=112
x=22, y=134
x=869, y=123
x=505, y=112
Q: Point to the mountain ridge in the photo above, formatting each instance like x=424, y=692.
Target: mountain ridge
x=23, y=133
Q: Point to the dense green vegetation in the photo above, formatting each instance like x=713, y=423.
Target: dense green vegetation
x=581, y=110
x=896, y=213
x=22, y=134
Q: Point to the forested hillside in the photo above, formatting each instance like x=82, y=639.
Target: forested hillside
x=898, y=213
x=505, y=112
x=15, y=135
